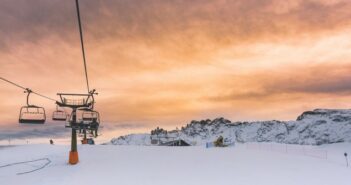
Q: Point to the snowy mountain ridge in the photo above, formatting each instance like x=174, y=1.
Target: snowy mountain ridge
x=320, y=126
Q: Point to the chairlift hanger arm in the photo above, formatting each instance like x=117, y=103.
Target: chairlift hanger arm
x=28, y=91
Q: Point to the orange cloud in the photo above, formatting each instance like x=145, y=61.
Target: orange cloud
x=168, y=62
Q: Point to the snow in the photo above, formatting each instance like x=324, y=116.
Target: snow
x=156, y=165
x=320, y=126
x=134, y=139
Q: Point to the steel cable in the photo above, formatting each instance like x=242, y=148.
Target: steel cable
x=82, y=44
x=26, y=89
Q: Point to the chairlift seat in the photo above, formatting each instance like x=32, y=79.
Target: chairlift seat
x=90, y=116
x=59, y=115
x=32, y=121
x=32, y=115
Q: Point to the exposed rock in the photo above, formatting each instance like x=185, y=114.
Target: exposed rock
x=321, y=126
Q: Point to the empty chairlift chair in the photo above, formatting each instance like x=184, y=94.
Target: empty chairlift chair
x=59, y=115
x=31, y=114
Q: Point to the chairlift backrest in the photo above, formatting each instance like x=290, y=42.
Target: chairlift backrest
x=90, y=115
x=59, y=115
x=32, y=115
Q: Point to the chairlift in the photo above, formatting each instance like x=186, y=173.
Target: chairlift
x=71, y=124
x=91, y=120
x=59, y=115
x=75, y=102
x=31, y=114
x=84, y=117
x=87, y=120
x=90, y=115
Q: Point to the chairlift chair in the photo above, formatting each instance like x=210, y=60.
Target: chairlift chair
x=59, y=115
x=91, y=120
x=31, y=114
x=76, y=126
x=90, y=116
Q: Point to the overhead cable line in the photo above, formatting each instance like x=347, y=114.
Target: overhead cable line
x=82, y=43
x=13, y=83
x=27, y=89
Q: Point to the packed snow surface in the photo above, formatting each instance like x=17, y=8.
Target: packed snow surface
x=155, y=165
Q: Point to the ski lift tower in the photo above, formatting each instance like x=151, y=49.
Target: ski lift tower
x=75, y=101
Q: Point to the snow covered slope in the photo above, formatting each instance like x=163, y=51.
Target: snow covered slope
x=321, y=126
x=140, y=165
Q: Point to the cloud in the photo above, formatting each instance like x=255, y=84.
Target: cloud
x=23, y=132
x=165, y=22
x=123, y=126
x=170, y=61
x=329, y=79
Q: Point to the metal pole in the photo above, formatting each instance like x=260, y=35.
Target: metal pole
x=73, y=155
x=74, y=132
x=74, y=141
x=85, y=134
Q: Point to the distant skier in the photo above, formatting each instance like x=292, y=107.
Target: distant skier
x=51, y=142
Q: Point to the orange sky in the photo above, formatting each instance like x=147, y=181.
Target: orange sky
x=162, y=62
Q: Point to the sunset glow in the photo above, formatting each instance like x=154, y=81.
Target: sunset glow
x=164, y=63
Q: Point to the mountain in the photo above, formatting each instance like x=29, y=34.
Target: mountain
x=320, y=126
x=44, y=164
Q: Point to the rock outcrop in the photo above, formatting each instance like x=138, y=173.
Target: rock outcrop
x=320, y=126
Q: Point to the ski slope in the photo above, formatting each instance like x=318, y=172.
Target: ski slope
x=153, y=165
